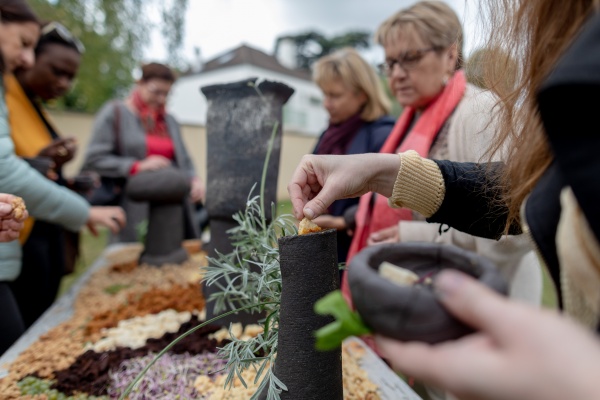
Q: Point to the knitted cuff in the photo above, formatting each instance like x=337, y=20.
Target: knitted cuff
x=419, y=185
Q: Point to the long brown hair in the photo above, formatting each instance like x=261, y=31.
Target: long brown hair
x=536, y=32
x=15, y=11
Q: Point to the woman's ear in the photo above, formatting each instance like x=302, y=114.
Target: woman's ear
x=452, y=57
x=363, y=97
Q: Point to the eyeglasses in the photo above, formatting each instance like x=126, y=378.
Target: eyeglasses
x=407, y=61
x=57, y=30
x=156, y=91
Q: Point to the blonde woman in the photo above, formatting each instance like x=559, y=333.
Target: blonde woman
x=358, y=123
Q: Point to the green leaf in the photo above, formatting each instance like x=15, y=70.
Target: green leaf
x=347, y=323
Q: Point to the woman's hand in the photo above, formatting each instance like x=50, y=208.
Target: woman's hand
x=153, y=163
x=11, y=220
x=197, y=191
x=111, y=217
x=386, y=235
x=319, y=180
x=60, y=151
x=520, y=352
x=327, y=221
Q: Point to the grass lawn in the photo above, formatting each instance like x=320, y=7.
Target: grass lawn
x=90, y=249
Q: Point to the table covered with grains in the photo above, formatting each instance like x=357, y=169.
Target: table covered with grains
x=97, y=337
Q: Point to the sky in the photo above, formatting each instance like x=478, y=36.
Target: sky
x=217, y=26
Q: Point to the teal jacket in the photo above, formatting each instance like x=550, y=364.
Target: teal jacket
x=44, y=199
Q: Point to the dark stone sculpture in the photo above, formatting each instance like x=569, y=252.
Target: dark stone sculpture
x=309, y=271
x=413, y=312
x=239, y=125
x=165, y=190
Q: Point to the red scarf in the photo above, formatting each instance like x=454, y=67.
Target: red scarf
x=153, y=119
x=374, y=217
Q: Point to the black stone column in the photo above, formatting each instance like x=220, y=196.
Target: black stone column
x=238, y=127
x=309, y=271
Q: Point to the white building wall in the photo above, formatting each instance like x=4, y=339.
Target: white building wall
x=303, y=113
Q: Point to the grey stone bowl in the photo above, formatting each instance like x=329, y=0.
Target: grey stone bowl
x=163, y=186
x=413, y=313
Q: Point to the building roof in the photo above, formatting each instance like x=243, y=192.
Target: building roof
x=245, y=54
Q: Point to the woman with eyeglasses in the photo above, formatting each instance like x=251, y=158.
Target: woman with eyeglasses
x=138, y=135
x=444, y=117
x=358, y=123
x=45, y=200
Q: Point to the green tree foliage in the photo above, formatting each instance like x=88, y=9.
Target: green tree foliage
x=115, y=34
x=310, y=46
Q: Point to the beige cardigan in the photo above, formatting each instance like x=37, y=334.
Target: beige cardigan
x=470, y=132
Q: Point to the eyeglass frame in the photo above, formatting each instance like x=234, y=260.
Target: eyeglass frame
x=387, y=67
x=63, y=33
x=156, y=92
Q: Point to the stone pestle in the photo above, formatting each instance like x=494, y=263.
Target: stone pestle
x=165, y=191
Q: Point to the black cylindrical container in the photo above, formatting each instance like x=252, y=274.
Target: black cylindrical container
x=309, y=271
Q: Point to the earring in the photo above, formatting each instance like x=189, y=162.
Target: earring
x=446, y=78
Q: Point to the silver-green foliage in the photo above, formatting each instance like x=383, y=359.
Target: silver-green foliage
x=250, y=275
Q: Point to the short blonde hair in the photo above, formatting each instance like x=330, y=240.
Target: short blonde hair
x=347, y=66
x=433, y=21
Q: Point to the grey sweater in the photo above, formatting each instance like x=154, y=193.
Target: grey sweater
x=103, y=157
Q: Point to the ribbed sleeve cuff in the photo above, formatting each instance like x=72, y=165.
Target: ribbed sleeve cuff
x=419, y=185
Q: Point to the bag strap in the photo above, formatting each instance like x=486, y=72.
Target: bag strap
x=117, y=128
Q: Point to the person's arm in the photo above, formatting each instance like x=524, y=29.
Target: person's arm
x=319, y=180
x=461, y=195
x=472, y=202
x=45, y=200
x=465, y=196
x=100, y=154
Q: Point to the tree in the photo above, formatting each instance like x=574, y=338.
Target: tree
x=310, y=46
x=115, y=34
